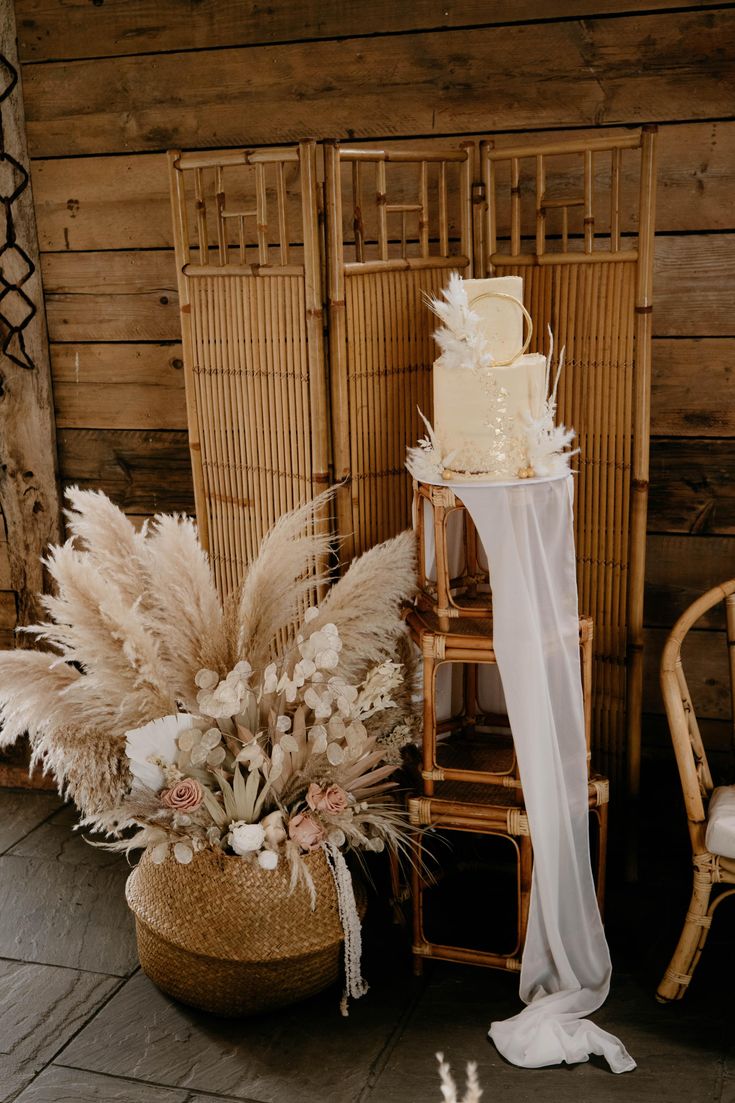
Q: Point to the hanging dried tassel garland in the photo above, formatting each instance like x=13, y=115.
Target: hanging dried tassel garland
x=355, y=985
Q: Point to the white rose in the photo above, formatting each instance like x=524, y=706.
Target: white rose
x=244, y=838
x=311, y=614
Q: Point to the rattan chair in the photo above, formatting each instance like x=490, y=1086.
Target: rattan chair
x=710, y=811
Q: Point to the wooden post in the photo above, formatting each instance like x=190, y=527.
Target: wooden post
x=183, y=256
x=29, y=491
x=639, y=489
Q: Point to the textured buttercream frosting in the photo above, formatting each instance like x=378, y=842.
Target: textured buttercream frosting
x=480, y=417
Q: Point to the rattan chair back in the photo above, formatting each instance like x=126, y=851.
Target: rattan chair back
x=709, y=870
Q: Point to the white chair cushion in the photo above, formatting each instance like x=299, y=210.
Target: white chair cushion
x=720, y=836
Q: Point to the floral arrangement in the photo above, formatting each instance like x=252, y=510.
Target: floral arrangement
x=258, y=726
x=542, y=449
x=273, y=764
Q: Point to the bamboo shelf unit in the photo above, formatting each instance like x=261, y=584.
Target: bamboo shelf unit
x=470, y=782
x=308, y=348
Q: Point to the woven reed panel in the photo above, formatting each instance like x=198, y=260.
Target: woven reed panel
x=247, y=253
x=390, y=351
x=251, y=384
x=590, y=308
x=554, y=218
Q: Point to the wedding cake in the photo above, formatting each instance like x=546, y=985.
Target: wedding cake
x=493, y=405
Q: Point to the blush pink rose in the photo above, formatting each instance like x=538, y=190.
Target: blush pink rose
x=333, y=799
x=184, y=796
x=305, y=831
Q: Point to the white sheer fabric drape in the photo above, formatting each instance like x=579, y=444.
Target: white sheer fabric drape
x=527, y=534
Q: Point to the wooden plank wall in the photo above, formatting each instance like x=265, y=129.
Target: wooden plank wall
x=109, y=86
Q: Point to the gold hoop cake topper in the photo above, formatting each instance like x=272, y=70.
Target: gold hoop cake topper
x=529, y=322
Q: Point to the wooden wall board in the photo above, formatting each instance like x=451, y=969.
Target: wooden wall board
x=692, y=486
x=118, y=386
x=629, y=69
x=122, y=202
x=693, y=387
x=47, y=29
x=705, y=661
x=119, y=296
x=142, y=472
x=718, y=740
x=694, y=286
x=8, y=611
x=679, y=569
x=14, y=769
x=137, y=298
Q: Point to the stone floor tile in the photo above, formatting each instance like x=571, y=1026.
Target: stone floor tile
x=14, y=1075
x=21, y=811
x=60, y=914
x=459, y=1004
x=306, y=1053
x=41, y=1007
x=57, y=841
x=64, y=1085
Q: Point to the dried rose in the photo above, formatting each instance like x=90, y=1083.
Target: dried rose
x=305, y=831
x=244, y=838
x=184, y=796
x=333, y=799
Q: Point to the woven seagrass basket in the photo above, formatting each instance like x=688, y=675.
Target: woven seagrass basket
x=224, y=935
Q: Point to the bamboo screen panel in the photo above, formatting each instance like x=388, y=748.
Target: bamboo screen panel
x=554, y=218
x=251, y=311
x=397, y=222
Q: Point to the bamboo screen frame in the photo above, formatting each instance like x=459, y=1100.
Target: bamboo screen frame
x=397, y=221
x=381, y=348
x=253, y=343
x=595, y=291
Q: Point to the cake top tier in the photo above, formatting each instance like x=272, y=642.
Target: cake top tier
x=500, y=321
x=483, y=323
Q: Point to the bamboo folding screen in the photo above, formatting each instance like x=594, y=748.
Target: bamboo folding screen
x=268, y=431
x=384, y=257
x=252, y=329
x=553, y=216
